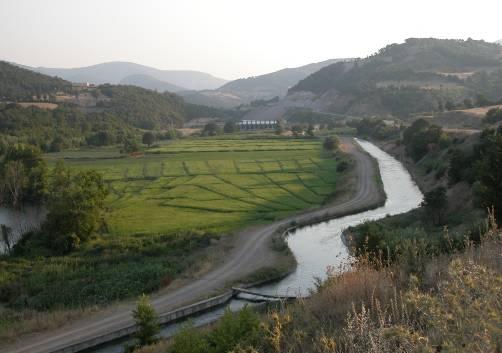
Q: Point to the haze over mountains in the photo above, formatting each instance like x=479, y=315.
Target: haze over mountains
x=196, y=87
x=120, y=72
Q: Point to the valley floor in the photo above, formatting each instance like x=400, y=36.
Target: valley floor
x=251, y=251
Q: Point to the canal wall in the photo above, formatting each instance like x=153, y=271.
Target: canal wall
x=165, y=319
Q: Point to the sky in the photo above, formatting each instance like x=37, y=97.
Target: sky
x=228, y=38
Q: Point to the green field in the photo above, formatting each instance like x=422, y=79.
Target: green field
x=216, y=185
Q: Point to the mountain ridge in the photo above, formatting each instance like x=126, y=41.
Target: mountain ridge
x=260, y=87
x=150, y=82
x=115, y=71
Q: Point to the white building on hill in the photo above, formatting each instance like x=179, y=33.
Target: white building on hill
x=257, y=124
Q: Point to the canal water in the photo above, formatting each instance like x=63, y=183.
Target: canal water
x=320, y=246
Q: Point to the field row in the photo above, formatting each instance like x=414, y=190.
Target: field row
x=149, y=169
x=213, y=197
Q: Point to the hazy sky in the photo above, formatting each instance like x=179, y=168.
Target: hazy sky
x=228, y=38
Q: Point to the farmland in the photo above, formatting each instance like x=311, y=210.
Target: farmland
x=164, y=209
x=215, y=185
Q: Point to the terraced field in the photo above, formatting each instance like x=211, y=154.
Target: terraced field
x=211, y=184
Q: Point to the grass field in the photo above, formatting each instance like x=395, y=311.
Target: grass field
x=215, y=185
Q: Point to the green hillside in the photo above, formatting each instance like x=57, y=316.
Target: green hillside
x=143, y=108
x=103, y=115
x=418, y=75
x=18, y=84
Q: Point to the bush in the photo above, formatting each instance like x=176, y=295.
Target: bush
x=241, y=328
x=331, y=143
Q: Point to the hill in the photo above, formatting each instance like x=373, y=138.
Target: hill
x=149, y=82
x=17, y=83
x=53, y=115
x=499, y=41
x=273, y=84
x=416, y=76
x=246, y=90
x=115, y=72
x=142, y=108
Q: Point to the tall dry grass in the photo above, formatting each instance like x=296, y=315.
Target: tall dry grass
x=453, y=304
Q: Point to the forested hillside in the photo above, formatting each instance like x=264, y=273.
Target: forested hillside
x=112, y=114
x=418, y=75
x=17, y=84
x=143, y=108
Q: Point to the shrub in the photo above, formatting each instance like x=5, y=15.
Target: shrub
x=147, y=322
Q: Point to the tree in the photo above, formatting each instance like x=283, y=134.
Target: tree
x=240, y=328
x=482, y=101
x=147, y=322
x=24, y=174
x=230, y=127
x=490, y=173
x=468, y=103
x=14, y=182
x=494, y=115
x=101, y=138
x=75, y=208
x=148, y=138
x=130, y=146
x=279, y=128
x=189, y=340
x=449, y=105
x=421, y=136
x=310, y=130
x=435, y=203
x=210, y=129
x=330, y=143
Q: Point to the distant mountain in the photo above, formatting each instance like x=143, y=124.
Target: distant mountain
x=115, y=72
x=499, y=41
x=420, y=75
x=149, y=82
x=245, y=90
x=273, y=84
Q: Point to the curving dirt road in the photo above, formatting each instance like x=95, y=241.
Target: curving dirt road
x=250, y=252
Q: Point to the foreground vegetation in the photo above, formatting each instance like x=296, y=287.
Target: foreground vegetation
x=454, y=305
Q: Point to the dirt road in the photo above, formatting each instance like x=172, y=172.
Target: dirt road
x=250, y=252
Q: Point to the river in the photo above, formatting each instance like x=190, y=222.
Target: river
x=320, y=246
